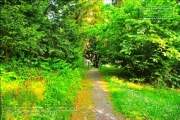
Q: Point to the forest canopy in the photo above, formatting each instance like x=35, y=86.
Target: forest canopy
x=141, y=36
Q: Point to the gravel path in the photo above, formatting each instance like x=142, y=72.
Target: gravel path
x=102, y=105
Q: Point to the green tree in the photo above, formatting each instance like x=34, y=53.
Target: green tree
x=145, y=46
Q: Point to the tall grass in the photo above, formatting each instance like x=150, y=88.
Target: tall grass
x=31, y=93
x=138, y=101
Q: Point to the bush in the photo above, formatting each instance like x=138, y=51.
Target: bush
x=39, y=90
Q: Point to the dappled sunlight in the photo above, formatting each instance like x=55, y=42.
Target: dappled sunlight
x=117, y=89
x=24, y=95
x=121, y=82
x=134, y=113
x=38, y=89
x=133, y=85
x=116, y=80
x=107, y=65
x=24, y=90
x=87, y=60
x=102, y=85
x=9, y=87
x=148, y=87
x=141, y=101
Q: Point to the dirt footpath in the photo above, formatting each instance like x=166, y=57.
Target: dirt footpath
x=93, y=102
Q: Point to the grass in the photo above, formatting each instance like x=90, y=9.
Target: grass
x=30, y=93
x=138, y=101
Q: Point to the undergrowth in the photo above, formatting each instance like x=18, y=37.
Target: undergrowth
x=45, y=92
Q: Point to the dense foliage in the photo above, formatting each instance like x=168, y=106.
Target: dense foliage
x=143, y=38
x=41, y=55
x=33, y=31
x=43, y=45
